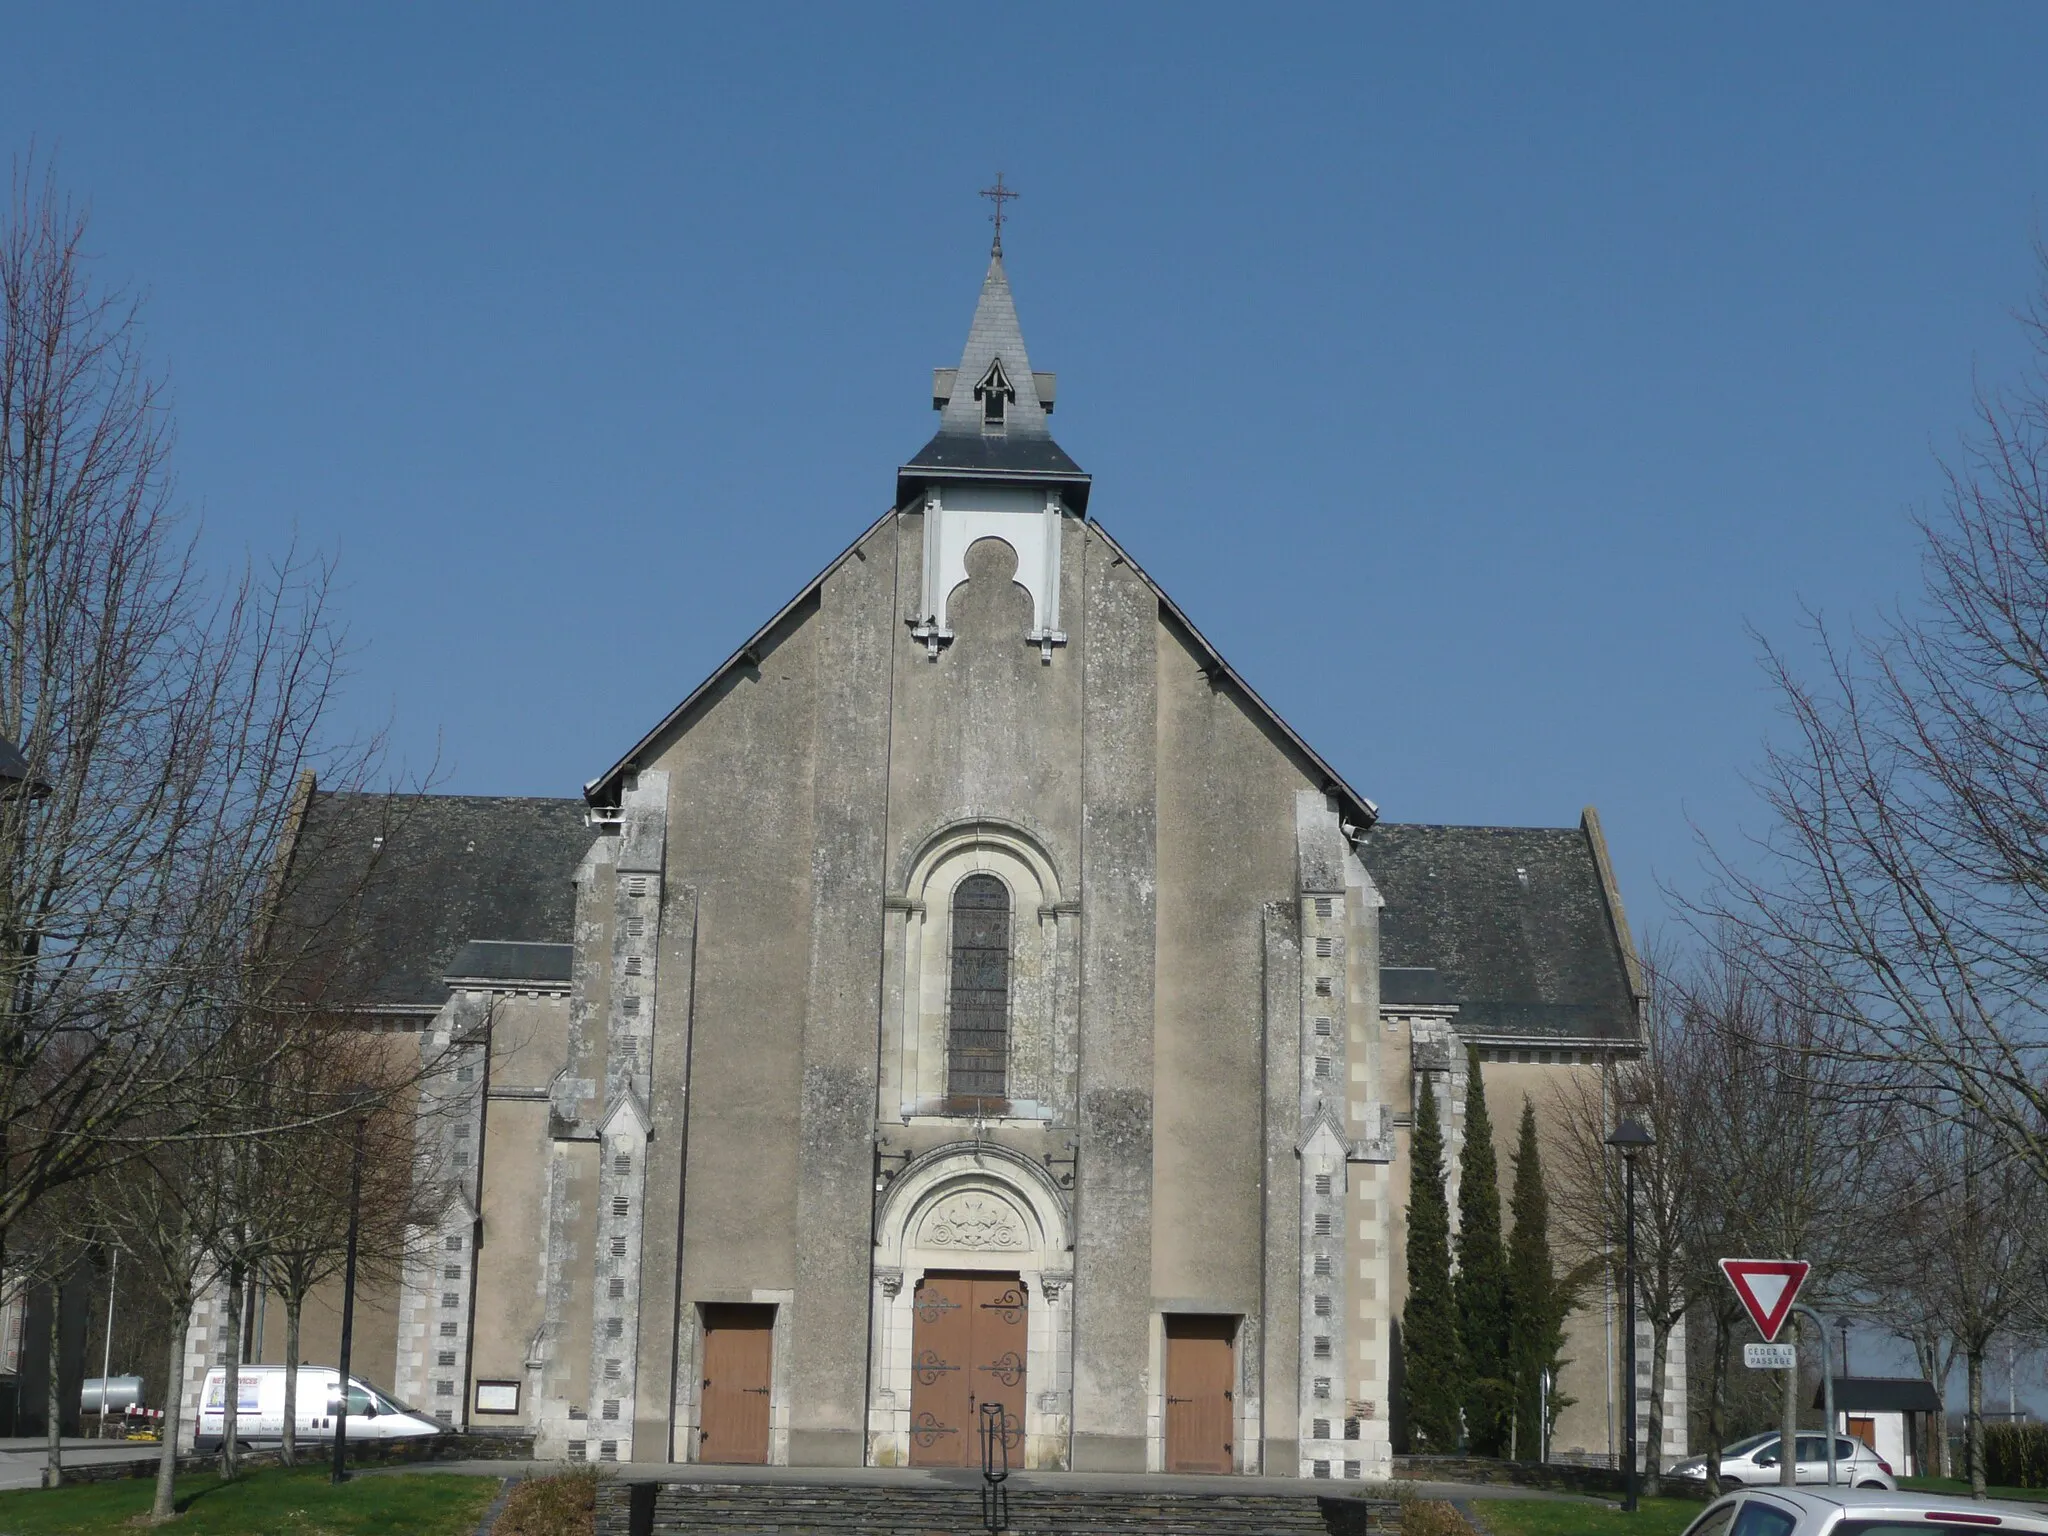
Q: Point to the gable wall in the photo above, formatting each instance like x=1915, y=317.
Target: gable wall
x=740, y=832
x=1226, y=848
x=988, y=728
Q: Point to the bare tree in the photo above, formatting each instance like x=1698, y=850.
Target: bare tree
x=1766, y=1141
x=1659, y=1090
x=1934, y=1351
x=298, y=1231
x=168, y=717
x=1797, y=1134
x=1770, y=1142
x=60, y=1235
x=163, y=1212
x=1962, y=1253
x=1908, y=858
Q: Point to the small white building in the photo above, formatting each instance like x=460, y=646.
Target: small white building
x=1887, y=1413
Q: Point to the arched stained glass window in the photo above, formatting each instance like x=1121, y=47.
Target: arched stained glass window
x=978, y=1019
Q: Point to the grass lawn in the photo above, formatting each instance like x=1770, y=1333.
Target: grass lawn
x=1564, y=1517
x=1961, y=1487
x=270, y=1502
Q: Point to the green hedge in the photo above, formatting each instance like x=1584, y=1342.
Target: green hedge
x=2016, y=1455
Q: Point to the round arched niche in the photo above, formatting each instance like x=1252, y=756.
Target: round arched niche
x=981, y=1208
x=915, y=1037
x=985, y=1205
x=963, y=846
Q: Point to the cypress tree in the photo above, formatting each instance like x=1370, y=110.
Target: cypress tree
x=1536, y=1308
x=1482, y=1288
x=1434, y=1364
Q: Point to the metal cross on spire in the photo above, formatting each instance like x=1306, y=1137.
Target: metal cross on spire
x=998, y=194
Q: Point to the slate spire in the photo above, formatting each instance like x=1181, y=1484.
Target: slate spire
x=995, y=341
x=993, y=408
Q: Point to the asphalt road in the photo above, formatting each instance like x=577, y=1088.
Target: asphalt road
x=22, y=1460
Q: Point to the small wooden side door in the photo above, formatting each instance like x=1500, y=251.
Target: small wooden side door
x=1200, y=1408
x=738, y=1354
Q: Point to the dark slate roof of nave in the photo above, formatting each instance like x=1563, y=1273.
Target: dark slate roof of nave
x=1515, y=922
x=1537, y=957
x=449, y=869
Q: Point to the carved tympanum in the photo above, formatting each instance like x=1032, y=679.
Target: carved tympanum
x=975, y=1222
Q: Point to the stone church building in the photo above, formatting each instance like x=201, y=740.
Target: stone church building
x=971, y=999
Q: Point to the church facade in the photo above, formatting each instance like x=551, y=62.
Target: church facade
x=971, y=1006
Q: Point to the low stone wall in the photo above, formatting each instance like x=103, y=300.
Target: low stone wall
x=870, y=1509
x=1562, y=1477
x=317, y=1453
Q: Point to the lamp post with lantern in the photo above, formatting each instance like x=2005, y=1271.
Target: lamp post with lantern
x=1629, y=1138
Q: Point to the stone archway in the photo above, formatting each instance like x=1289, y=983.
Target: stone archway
x=968, y=1218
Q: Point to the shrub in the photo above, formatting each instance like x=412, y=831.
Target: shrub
x=563, y=1505
x=2016, y=1455
x=1431, y=1517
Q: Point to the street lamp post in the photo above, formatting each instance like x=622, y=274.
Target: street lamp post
x=1630, y=1138
x=348, y=1298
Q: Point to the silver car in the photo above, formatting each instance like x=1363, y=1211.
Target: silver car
x=1754, y=1462
x=1860, y=1512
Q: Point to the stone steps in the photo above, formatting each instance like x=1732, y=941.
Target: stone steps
x=685, y=1509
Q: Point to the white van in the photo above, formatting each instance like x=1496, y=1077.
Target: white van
x=259, y=1408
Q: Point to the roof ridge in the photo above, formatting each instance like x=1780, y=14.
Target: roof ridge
x=1367, y=813
x=445, y=795
x=1474, y=826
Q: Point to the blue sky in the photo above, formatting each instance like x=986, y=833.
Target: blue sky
x=1472, y=376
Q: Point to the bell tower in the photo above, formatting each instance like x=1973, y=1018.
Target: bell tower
x=992, y=470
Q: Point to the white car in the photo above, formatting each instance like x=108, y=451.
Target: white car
x=1860, y=1512
x=1754, y=1462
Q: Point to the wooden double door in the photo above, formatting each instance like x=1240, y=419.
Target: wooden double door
x=739, y=1356
x=1201, y=1407
x=968, y=1343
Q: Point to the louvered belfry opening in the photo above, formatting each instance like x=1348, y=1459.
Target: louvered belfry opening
x=978, y=1020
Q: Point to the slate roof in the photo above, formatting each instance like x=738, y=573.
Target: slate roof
x=1024, y=449
x=420, y=876
x=1413, y=986
x=500, y=960
x=1519, y=924
x=963, y=456
x=1883, y=1394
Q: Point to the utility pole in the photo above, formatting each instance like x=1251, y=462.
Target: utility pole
x=107, y=1344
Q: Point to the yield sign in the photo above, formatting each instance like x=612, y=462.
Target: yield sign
x=1767, y=1288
